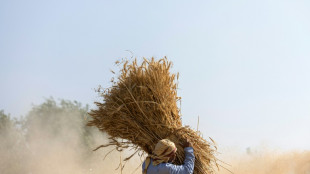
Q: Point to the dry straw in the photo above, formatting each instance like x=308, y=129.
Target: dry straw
x=141, y=108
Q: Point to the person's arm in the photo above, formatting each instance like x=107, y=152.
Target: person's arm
x=187, y=167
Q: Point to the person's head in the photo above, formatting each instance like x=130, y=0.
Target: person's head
x=166, y=150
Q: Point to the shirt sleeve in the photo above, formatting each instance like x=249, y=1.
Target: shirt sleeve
x=187, y=167
x=143, y=165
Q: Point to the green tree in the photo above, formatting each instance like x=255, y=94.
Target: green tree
x=5, y=122
x=53, y=133
x=61, y=121
x=8, y=128
x=12, y=145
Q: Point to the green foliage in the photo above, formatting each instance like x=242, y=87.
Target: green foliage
x=7, y=124
x=5, y=121
x=49, y=130
x=56, y=121
x=12, y=145
x=63, y=121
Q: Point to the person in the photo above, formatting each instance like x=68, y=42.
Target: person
x=160, y=161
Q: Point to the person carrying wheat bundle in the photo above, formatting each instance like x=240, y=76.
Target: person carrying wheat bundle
x=140, y=112
x=160, y=162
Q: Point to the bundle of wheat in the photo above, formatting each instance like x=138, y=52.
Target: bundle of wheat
x=141, y=107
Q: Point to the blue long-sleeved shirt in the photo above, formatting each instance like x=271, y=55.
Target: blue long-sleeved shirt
x=168, y=168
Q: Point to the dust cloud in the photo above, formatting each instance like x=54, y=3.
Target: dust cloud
x=265, y=160
x=53, y=139
x=63, y=155
x=56, y=141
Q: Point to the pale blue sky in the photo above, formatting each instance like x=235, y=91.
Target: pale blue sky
x=244, y=65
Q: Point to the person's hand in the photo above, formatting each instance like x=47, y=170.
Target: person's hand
x=187, y=143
